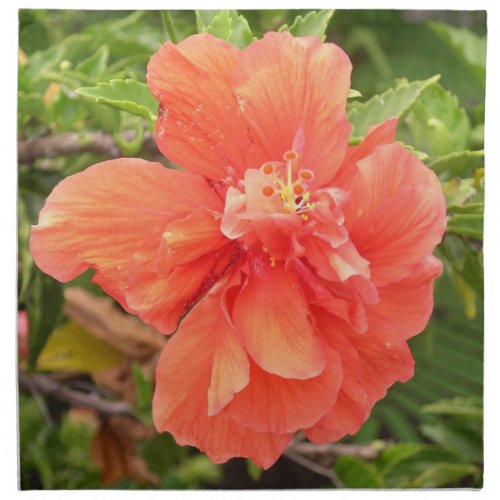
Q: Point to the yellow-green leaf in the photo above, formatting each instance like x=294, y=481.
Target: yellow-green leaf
x=72, y=348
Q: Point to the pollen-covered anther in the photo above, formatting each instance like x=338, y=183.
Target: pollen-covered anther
x=267, y=168
x=291, y=156
x=306, y=175
x=268, y=190
x=298, y=189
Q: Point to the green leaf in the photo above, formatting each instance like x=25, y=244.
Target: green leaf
x=132, y=147
x=459, y=191
x=457, y=164
x=219, y=26
x=71, y=348
x=225, y=24
x=241, y=34
x=437, y=123
x=443, y=474
x=356, y=473
x=199, y=469
x=144, y=391
x=95, y=65
x=464, y=260
x=400, y=427
x=469, y=47
x=29, y=106
x=254, y=471
x=127, y=95
x=44, y=300
x=313, y=24
x=464, y=408
x=456, y=437
x=470, y=225
x=25, y=260
x=353, y=94
x=466, y=293
x=393, y=455
x=401, y=464
x=393, y=102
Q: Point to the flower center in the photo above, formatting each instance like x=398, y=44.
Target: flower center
x=289, y=183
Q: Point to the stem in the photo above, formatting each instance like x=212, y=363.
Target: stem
x=168, y=24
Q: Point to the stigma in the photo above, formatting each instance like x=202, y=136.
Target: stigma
x=290, y=183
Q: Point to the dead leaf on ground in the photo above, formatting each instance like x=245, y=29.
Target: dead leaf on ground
x=115, y=452
x=118, y=379
x=100, y=317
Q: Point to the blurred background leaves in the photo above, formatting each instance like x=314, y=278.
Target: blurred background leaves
x=87, y=367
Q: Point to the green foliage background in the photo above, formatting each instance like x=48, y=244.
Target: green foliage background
x=84, y=72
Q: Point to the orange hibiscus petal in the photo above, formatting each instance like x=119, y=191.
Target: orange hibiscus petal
x=180, y=403
x=98, y=218
x=400, y=232
x=289, y=87
x=335, y=263
x=230, y=369
x=372, y=362
x=380, y=176
x=197, y=125
x=274, y=404
x=350, y=410
x=184, y=240
x=385, y=356
x=272, y=316
x=408, y=303
x=396, y=213
x=377, y=135
x=162, y=301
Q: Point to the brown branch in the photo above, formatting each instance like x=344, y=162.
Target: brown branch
x=333, y=450
x=71, y=143
x=313, y=466
x=51, y=388
x=320, y=458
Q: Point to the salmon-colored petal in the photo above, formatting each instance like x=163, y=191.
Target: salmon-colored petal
x=164, y=299
x=184, y=240
x=272, y=316
x=350, y=410
x=272, y=403
x=336, y=264
x=408, y=304
x=230, y=369
x=184, y=373
x=198, y=127
x=377, y=136
x=296, y=87
x=380, y=176
x=372, y=362
x=400, y=232
x=385, y=356
x=98, y=218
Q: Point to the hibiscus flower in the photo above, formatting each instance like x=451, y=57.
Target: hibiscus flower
x=292, y=267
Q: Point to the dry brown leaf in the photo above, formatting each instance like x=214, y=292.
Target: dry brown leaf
x=100, y=317
x=118, y=379
x=115, y=453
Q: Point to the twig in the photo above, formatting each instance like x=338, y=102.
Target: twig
x=334, y=450
x=313, y=466
x=320, y=458
x=71, y=143
x=56, y=390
